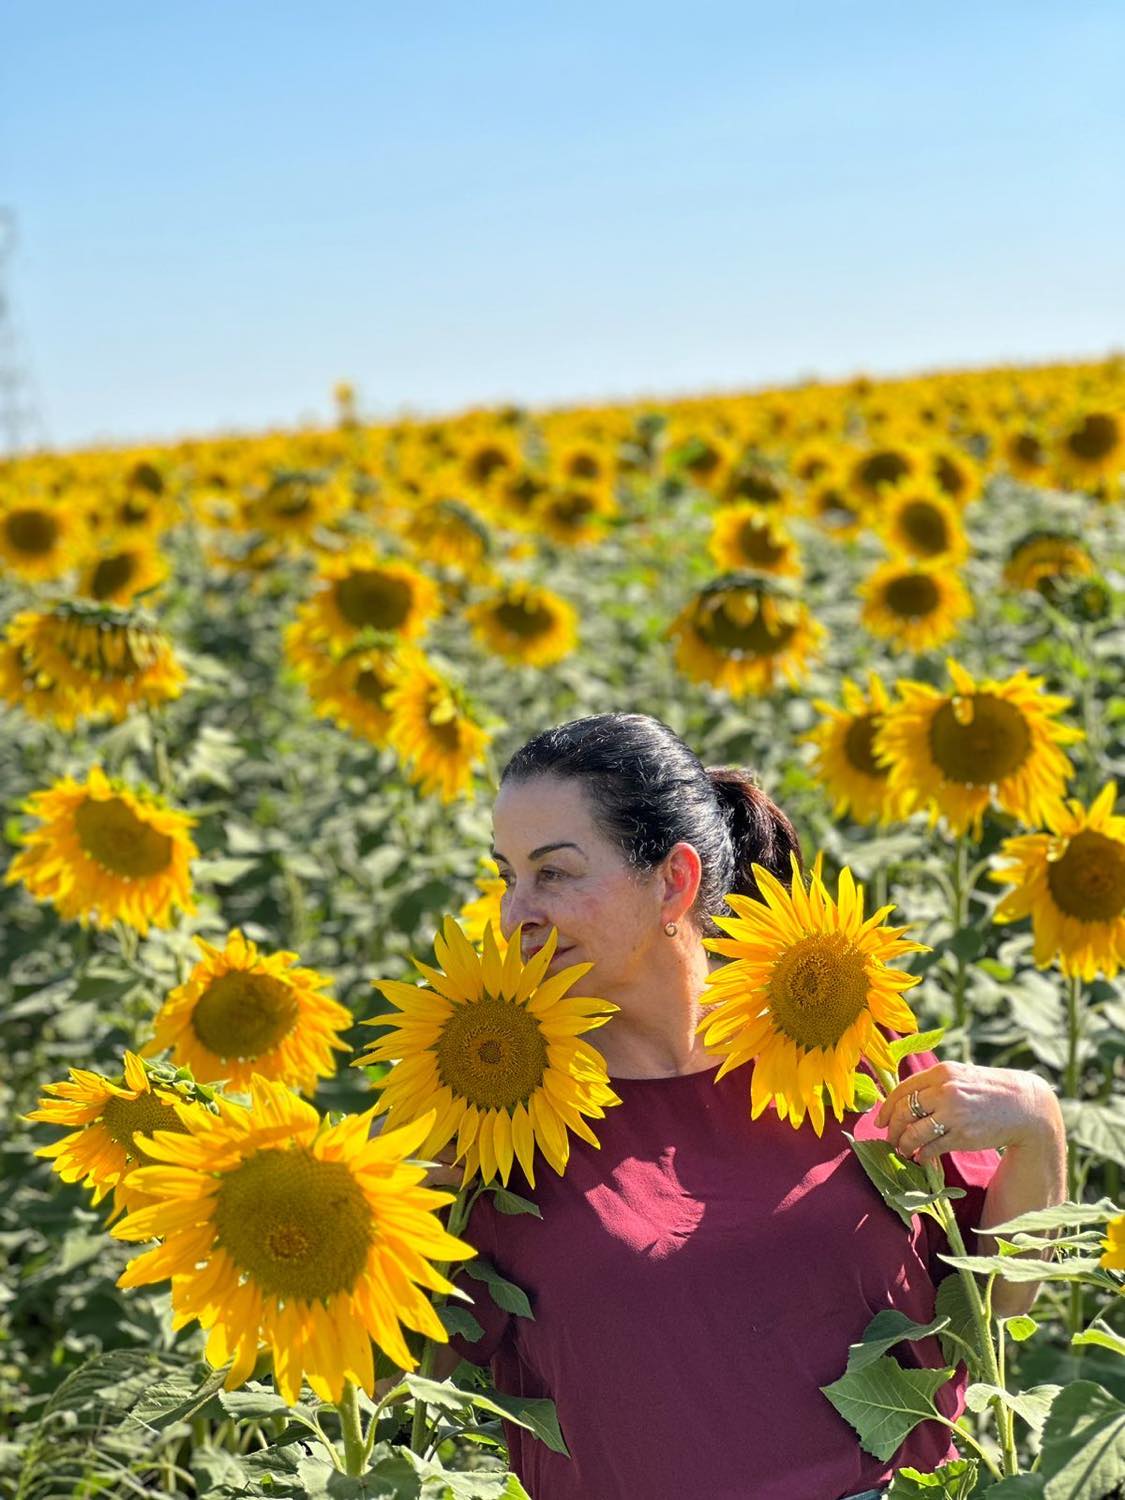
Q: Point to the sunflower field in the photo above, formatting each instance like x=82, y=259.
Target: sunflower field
x=255, y=694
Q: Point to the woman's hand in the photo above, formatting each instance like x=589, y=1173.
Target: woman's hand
x=980, y=1107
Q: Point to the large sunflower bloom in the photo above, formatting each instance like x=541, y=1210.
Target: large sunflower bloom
x=921, y=522
x=740, y=636
x=362, y=591
x=1092, y=446
x=745, y=536
x=106, y=854
x=283, y=1230
x=1071, y=881
x=846, y=765
x=914, y=605
x=118, y=573
x=241, y=1012
x=350, y=689
x=102, y=1118
x=808, y=989
x=37, y=537
x=960, y=750
x=433, y=732
x=495, y=1048
x=532, y=626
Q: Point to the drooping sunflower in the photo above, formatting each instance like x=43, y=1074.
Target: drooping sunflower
x=281, y=1229
x=574, y=514
x=103, y=1117
x=1114, y=1245
x=433, y=731
x=1071, y=881
x=484, y=910
x=919, y=521
x=753, y=481
x=361, y=591
x=744, y=536
x=959, y=751
x=915, y=605
x=740, y=635
x=105, y=853
x=810, y=985
x=495, y=1047
x=241, y=1012
x=448, y=534
x=1041, y=559
x=117, y=574
x=532, y=626
x=37, y=537
x=846, y=765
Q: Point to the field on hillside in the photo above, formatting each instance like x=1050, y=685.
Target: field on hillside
x=255, y=695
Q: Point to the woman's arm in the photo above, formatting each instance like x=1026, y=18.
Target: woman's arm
x=1032, y=1174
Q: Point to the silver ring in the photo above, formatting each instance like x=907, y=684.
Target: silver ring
x=939, y=1129
x=916, y=1106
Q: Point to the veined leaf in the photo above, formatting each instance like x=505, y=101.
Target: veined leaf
x=884, y=1402
x=1083, y=1451
x=1100, y=1333
x=886, y=1329
x=953, y=1481
x=1032, y=1405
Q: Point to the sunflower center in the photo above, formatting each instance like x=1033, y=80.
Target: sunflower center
x=492, y=1054
x=1094, y=438
x=111, y=574
x=749, y=637
x=571, y=510
x=833, y=508
x=30, y=530
x=757, y=546
x=755, y=485
x=818, y=988
x=146, y=477
x=583, y=466
x=289, y=501
x=371, y=686
x=859, y=745
x=298, y=1227
x=441, y=715
x=704, y=459
x=884, y=467
x=371, y=597
x=524, y=620
x=124, y=1118
x=1027, y=449
x=111, y=834
x=979, y=740
x=950, y=475
x=1088, y=881
x=925, y=526
x=485, y=462
x=912, y=595
x=242, y=1014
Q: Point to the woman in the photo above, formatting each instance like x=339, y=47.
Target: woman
x=698, y=1278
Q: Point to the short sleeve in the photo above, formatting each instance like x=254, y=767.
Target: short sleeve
x=480, y=1232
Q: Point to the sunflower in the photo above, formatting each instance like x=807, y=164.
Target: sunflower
x=918, y=520
x=738, y=634
x=812, y=461
x=704, y=457
x=280, y=1228
x=582, y=463
x=489, y=458
x=484, y=910
x=495, y=1049
x=103, y=1118
x=105, y=853
x=37, y=537
x=361, y=591
x=241, y=1012
x=955, y=473
x=1114, y=1245
x=834, y=508
x=512, y=498
x=913, y=604
x=350, y=688
x=448, y=534
x=574, y=514
x=102, y=661
x=292, y=507
x=755, y=482
x=433, y=732
x=846, y=764
x=118, y=574
x=989, y=740
x=809, y=987
x=1092, y=447
x=524, y=624
x=745, y=536
x=1042, y=559
x=878, y=468
x=1024, y=453
x=1071, y=881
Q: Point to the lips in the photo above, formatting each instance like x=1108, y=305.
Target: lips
x=529, y=953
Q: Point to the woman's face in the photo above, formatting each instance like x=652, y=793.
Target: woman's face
x=561, y=871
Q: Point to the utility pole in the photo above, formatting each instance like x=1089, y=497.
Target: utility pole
x=20, y=419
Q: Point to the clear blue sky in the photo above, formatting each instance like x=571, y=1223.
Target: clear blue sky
x=227, y=205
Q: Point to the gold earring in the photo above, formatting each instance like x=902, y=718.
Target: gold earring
x=670, y=928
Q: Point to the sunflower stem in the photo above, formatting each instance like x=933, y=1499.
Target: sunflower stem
x=1071, y=1084
x=459, y=1211
x=351, y=1427
x=961, y=888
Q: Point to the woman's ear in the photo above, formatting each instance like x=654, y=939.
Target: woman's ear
x=682, y=873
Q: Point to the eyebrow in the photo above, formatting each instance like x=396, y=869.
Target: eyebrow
x=542, y=850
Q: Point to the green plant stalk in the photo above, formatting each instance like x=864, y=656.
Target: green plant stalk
x=458, y=1216
x=1071, y=1086
x=351, y=1428
x=960, y=882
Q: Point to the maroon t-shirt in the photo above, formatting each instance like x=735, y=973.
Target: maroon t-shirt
x=694, y=1282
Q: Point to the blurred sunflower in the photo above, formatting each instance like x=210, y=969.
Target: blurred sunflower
x=117, y=575
x=292, y=507
x=834, y=508
x=809, y=986
x=915, y=605
x=103, y=1118
x=984, y=741
x=241, y=1012
x=513, y=498
x=361, y=591
x=745, y=536
x=739, y=635
x=1092, y=446
x=919, y=521
x=448, y=534
x=352, y=689
x=37, y=537
x=812, y=461
x=1024, y=453
x=753, y=481
x=282, y=1229
x=525, y=624
x=846, y=765
x=433, y=732
x=1114, y=1245
x=493, y=1046
x=876, y=469
x=489, y=457
x=582, y=462
x=105, y=854
x=575, y=514
x=1041, y=559
x=957, y=476
x=1071, y=881
x=704, y=457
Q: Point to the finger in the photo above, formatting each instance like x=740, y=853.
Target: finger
x=919, y=1137
x=899, y=1112
x=903, y=1089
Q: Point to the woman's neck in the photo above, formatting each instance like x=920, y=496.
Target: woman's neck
x=653, y=1034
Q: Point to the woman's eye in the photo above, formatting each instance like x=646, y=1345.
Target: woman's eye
x=551, y=874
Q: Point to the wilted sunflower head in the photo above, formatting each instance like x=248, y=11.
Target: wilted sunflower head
x=1042, y=558
x=741, y=631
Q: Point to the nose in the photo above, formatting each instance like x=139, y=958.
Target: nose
x=522, y=908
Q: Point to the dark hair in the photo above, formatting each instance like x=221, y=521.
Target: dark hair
x=650, y=791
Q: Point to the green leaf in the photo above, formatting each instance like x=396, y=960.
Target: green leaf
x=1020, y=1327
x=1062, y=1216
x=511, y=1203
x=921, y=1041
x=866, y=1092
x=1100, y=1333
x=1013, y=1268
x=953, y=1481
x=221, y=871
x=1017, y=1487
x=505, y=1294
x=1097, y=1127
x=914, y=1202
x=1083, y=1453
x=886, y=1329
x=1032, y=1406
x=884, y=1402
x=890, y=1174
x=959, y=1339
x=460, y=1320
x=537, y=1415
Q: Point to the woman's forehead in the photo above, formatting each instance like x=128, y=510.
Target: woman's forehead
x=541, y=810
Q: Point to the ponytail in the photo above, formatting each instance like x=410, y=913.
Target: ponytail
x=760, y=833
